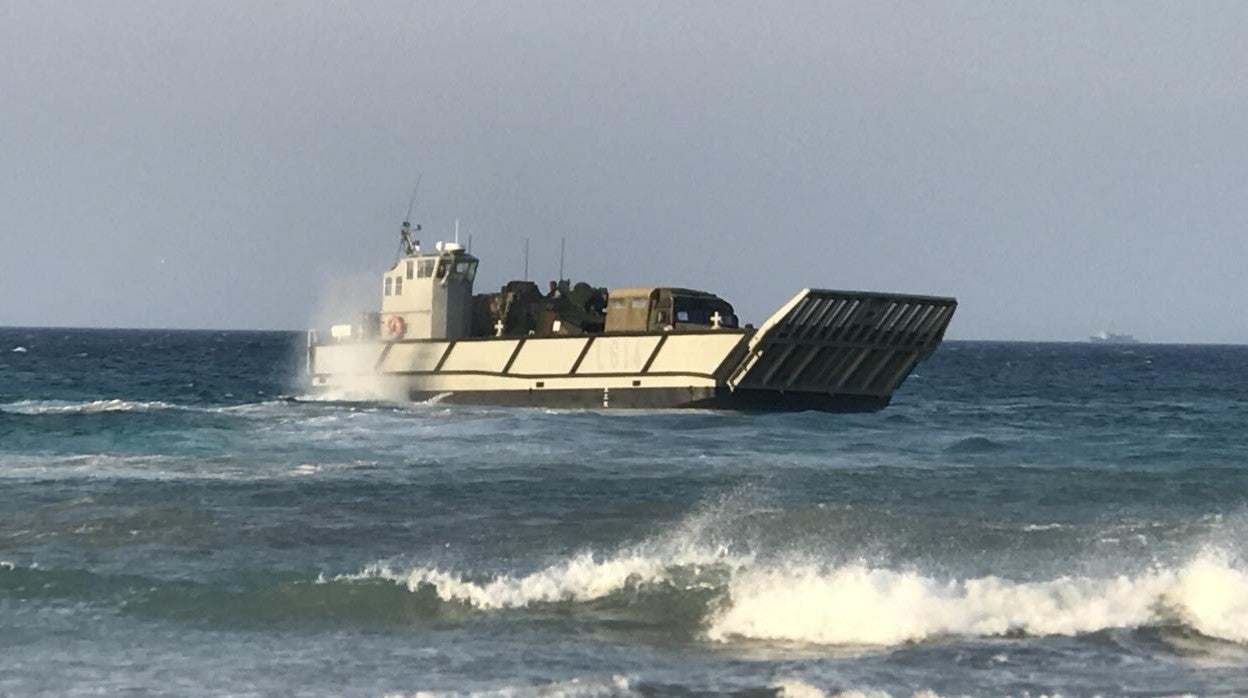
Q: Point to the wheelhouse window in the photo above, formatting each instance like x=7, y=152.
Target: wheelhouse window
x=389, y=285
x=398, y=285
x=466, y=270
x=411, y=268
x=425, y=269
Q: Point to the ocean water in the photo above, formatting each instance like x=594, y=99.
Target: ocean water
x=178, y=517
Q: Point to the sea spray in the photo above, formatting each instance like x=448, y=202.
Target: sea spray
x=343, y=300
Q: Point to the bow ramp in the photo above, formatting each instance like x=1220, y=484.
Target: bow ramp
x=843, y=343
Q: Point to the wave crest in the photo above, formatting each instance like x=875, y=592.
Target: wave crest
x=1210, y=594
x=857, y=605
x=692, y=556
x=584, y=577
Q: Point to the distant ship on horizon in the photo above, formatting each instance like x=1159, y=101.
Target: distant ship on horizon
x=1107, y=337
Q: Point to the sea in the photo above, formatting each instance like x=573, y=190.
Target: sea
x=180, y=516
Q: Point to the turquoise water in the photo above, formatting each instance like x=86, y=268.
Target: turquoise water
x=177, y=517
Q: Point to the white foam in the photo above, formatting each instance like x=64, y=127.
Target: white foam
x=371, y=389
x=1210, y=595
x=19, y=350
x=36, y=407
x=800, y=689
x=263, y=408
x=584, y=577
x=138, y=467
x=858, y=605
x=333, y=396
x=580, y=687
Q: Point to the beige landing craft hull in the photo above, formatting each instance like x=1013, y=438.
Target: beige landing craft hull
x=837, y=351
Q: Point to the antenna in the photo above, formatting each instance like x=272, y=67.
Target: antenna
x=561, y=242
x=456, y=231
x=408, y=246
x=526, y=259
x=412, y=201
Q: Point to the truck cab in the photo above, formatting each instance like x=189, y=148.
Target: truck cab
x=658, y=309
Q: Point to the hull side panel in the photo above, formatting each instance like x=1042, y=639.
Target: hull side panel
x=659, y=398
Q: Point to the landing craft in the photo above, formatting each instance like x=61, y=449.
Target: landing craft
x=648, y=347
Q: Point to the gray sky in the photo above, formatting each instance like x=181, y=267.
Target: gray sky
x=1059, y=167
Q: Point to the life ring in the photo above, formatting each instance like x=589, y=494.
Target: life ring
x=396, y=326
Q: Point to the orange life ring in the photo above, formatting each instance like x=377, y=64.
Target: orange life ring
x=396, y=326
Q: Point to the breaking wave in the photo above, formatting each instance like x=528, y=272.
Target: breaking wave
x=800, y=689
x=686, y=560
x=582, y=578
x=858, y=605
x=730, y=592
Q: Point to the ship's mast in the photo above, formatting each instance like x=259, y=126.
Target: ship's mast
x=408, y=245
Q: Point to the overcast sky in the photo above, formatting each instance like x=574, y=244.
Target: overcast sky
x=1059, y=167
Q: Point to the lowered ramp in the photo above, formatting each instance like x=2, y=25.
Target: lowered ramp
x=843, y=343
